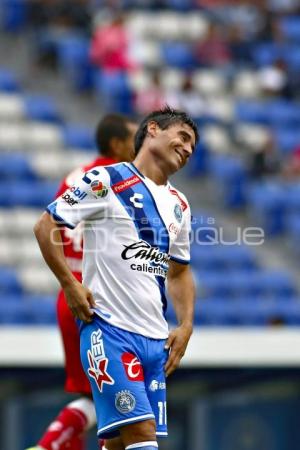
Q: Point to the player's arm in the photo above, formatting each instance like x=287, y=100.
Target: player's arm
x=79, y=298
x=181, y=289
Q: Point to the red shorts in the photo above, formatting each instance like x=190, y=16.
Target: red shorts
x=76, y=380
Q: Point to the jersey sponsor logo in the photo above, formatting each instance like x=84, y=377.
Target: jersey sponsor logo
x=98, y=362
x=133, y=367
x=157, y=385
x=136, y=200
x=125, y=184
x=68, y=199
x=143, y=251
x=183, y=204
x=77, y=192
x=173, y=228
x=178, y=213
x=125, y=402
x=99, y=189
x=157, y=271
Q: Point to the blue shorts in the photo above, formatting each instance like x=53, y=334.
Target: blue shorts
x=126, y=372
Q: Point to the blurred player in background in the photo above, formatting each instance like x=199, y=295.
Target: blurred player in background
x=115, y=142
x=136, y=235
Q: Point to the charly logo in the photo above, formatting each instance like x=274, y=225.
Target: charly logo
x=143, y=251
x=178, y=212
x=99, y=189
x=125, y=402
x=136, y=200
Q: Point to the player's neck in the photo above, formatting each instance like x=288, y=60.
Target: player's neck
x=151, y=169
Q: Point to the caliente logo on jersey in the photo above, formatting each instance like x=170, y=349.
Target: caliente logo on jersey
x=151, y=258
x=133, y=367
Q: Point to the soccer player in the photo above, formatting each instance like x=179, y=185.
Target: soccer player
x=136, y=235
x=115, y=142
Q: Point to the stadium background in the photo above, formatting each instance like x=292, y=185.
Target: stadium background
x=235, y=67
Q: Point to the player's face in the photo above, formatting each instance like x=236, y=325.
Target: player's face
x=127, y=146
x=174, y=145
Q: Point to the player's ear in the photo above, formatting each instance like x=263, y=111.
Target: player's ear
x=152, y=128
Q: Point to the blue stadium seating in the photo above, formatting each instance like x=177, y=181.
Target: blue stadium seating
x=287, y=138
x=15, y=166
x=42, y=107
x=22, y=193
x=78, y=136
x=27, y=310
x=114, y=91
x=251, y=111
x=8, y=81
x=13, y=14
x=232, y=177
x=9, y=282
x=179, y=55
x=73, y=59
x=266, y=53
x=291, y=27
x=267, y=204
x=223, y=258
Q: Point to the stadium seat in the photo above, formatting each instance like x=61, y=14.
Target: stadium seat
x=178, y=55
x=78, y=137
x=9, y=282
x=267, y=205
x=266, y=53
x=290, y=27
x=232, y=177
x=15, y=166
x=8, y=81
x=13, y=15
x=41, y=107
x=35, y=193
x=287, y=139
x=114, y=91
x=11, y=107
x=252, y=111
x=73, y=58
x=14, y=312
x=41, y=309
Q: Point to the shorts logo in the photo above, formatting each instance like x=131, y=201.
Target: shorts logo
x=157, y=385
x=99, y=189
x=125, y=402
x=98, y=362
x=133, y=367
x=178, y=212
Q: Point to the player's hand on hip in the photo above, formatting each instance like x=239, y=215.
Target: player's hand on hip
x=176, y=344
x=80, y=301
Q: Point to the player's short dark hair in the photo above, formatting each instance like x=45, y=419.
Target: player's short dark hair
x=111, y=126
x=164, y=118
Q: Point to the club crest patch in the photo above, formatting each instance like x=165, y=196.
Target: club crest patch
x=125, y=402
x=178, y=213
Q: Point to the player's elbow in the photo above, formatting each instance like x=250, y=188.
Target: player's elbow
x=39, y=227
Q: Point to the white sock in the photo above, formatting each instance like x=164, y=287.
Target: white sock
x=86, y=407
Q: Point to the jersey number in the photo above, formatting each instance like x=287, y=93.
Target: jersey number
x=162, y=413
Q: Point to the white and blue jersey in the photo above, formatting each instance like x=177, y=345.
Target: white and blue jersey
x=132, y=229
